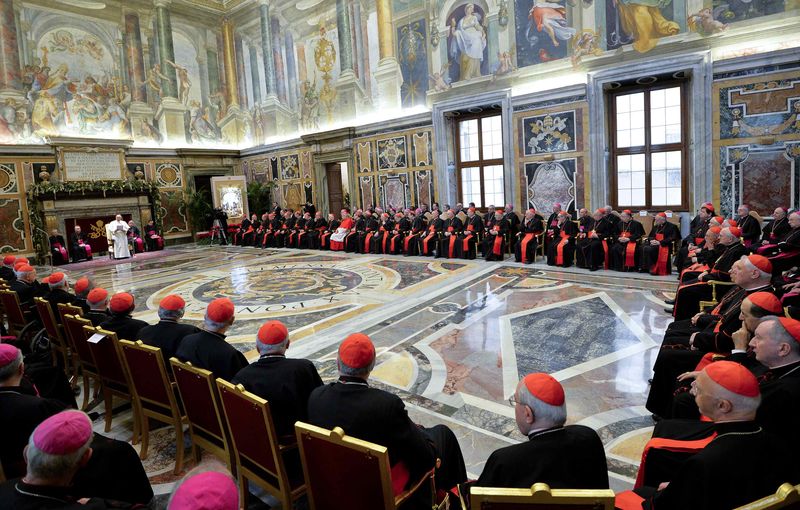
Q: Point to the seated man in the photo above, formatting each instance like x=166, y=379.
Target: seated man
x=121, y=322
x=82, y=287
x=97, y=299
x=452, y=227
x=59, y=453
x=205, y=489
x=115, y=471
x=151, y=238
x=563, y=457
x=208, y=348
x=697, y=233
x=59, y=293
x=135, y=237
x=380, y=417
x=169, y=332
x=7, y=269
x=324, y=242
x=79, y=246
x=285, y=383
x=58, y=248
x=428, y=240
x=561, y=247
x=624, y=252
x=595, y=249
x=657, y=250
x=26, y=285
x=494, y=243
x=525, y=245
x=473, y=228
x=741, y=464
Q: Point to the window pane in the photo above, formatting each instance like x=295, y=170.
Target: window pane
x=637, y=137
x=673, y=96
x=659, y=196
x=666, y=178
x=630, y=120
x=624, y=197
x=468, y=133
x=673, y=196
x=492, y=132
x=638, y=197
x=471, y=186
x=659, y=179
x=493, y=184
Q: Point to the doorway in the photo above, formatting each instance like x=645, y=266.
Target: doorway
x=336, y=175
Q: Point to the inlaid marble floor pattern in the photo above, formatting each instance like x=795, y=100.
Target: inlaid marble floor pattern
x=453, y=336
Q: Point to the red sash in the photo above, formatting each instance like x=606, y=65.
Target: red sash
x=391, y=243
x=408, y=238
x=264, y=239
x=452, y=242
x=62, y=251
x=630, y=254
x=366, y=242
x=524, y=247
x=605, y=253
x=323, y=238
x=698, y=241
x=139, y=243
x=628, y=500
x=249, y=229
x=428, y=238
x=762, y=250
x=560, y=248
x=87, y=248
x=384, y=237
x=672, y=445
x=497, y=248
x=660, y=267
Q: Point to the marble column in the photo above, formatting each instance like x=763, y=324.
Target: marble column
x=223, y=80
x=212, y=60
x=241, y=71
x=291, y=69
x=277, y=55
x=169, y=87
x=233, y=123
x=494, y=40
x=355, y=36
x=10, y=83
x=135, y=57
x=204, y=82
x=387, y=75
x=367, y=75
x=302, y=70
x=345, y=36
x=266, y=48
x=254, y=75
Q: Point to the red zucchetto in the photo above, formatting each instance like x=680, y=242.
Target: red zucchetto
x=357, y=351
x=733, y=377
x=545, y=388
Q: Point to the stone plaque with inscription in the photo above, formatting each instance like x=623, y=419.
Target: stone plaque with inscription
x=92, y=166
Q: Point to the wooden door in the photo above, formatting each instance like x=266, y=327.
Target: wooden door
x=335, y=195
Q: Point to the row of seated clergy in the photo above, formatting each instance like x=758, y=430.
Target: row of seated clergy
x=295, y=391
x=111, y=470
x=77, y=249
x=742, y=459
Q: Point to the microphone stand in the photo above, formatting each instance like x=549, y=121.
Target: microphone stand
x=49, y=255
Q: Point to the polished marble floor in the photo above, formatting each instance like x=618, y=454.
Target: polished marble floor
x=453, y=337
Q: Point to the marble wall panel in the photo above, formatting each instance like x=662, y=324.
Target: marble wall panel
x=364, y=161
x=423, y=187
x=766, y=179
x=544, y=134
x=366, y=191
x=392, y=153
x=174, y=214
x=551, y=182
x=169, y=175
x=394, y=190
x=289, y=167
x=422, y=154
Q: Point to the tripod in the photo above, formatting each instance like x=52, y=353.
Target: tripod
x=218, y=233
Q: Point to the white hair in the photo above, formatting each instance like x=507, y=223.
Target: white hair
x=8, y=371
x=173, y=315
x=750, y=267
x=210, y=325
x=349, y=371
x=545, y=414
x=47, y=466
x=278, y=348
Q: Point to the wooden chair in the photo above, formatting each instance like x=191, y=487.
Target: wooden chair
x=259, y=456
x=787, y=496
x=154, y=393
x=201, y=402
x=19, y=321
x=372, y=488
x=75, y=331
x=111, y=371
x=714, y=298
x=541, y=497
x=68, y=309
x=58, y=346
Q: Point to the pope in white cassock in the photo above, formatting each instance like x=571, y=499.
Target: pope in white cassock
x=117, y=231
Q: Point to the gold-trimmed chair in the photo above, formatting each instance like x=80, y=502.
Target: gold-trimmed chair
x=787, y=496
x=540, y=497
x=68, y=309
x=322, y=448
x=153, y=393
x=76, y=334
x=259, y=456
x=200, y=399
x=58, y=345
x=714, y=297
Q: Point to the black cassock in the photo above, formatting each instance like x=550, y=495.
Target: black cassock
x=211, y=351
x=428, y=241
x=285, y=383
x=411, y=241
x=371, y=226
x=324, y=241
x=742, y=464
x=125, y=326
x=351, y=241
x=582, y=241
x=526, y=239
x=561, y=249
x=58, y=249
x=697, y=234
x=77, y=243
x=380, y=241
x=238, y=237
x=570, y=457
x=468, y=240
x=294, y=236
x=656, y=259
x=448, y=244
x=625, y=256
x=595, y=249
x=167, y=336
x=396, y=241
x=494, y=244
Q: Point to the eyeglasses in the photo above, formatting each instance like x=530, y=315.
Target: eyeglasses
x=512, y=400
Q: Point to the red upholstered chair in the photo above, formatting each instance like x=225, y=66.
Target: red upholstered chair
x=76, y=335
x=68, y=309
x=259, y=457
x=200, y=399
x=18, y=320
x=58, y=345
x=372, y=488
x=154, y=393
x=541, y=497
x=111, y=371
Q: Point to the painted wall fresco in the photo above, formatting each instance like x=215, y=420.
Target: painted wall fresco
x=543, y=31
x=467, y=43
x=412, y=43
x=757, y=141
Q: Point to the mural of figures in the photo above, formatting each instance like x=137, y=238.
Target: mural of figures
x=729, y=11
x=640, y=22
x=413, y=62
x=542, y=31
x=467, y=49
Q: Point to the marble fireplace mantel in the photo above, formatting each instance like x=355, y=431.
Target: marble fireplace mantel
x=61, y=209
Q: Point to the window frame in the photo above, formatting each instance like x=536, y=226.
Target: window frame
x=480, y=163
x=648, y=148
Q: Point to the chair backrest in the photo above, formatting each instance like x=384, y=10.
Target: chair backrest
x=12, y=307
x=68, y=309
x=540, y=497
x=74, y=327
x=252, y=430
x=787, y=496
x=199, y=395
x=145, y=366
x=106, y=356
x=45, y=312
x=461, y=216
x=321, y=448
x=757, y=217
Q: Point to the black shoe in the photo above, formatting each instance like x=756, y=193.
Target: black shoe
x=593, y=268
x=669, y=301
x=670, y=310
x=656, y=418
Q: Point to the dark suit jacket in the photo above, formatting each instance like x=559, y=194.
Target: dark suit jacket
x=125, y=326
x=28, y=291
x=372, y=415
x=7, y=274
x=570, y=457
x=286, y=384
x=59, y=296
x=210, y=351
x=97, y=317
x=167, y=336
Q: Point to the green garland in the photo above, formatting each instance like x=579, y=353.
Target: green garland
x=40, y=191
